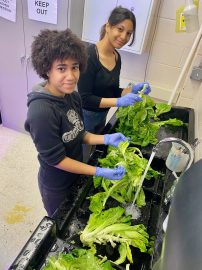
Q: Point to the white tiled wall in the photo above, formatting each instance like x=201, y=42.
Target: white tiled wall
x=163, y=62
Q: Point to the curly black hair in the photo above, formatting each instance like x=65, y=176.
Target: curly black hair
x=51, y=45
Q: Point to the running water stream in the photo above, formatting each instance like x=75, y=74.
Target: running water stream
x=132, y=209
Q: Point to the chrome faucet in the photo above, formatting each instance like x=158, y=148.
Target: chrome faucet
x=188, y=148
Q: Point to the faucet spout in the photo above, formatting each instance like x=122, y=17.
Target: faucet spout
x=186, y=145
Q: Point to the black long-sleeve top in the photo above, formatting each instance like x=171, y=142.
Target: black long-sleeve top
x=56, y=127
x=98, y=82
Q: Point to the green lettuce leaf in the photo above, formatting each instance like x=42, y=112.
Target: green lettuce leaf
x=112, y=226
x=140, y=122
x=79, y=259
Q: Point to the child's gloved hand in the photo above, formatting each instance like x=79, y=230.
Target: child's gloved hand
x=138, y=87
x=113, y=174
x=114, y=139
x=128, y=99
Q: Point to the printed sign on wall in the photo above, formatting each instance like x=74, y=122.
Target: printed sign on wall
x=8, y=9
x=43, y=11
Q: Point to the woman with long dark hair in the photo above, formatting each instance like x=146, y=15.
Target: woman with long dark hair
x=99, y=84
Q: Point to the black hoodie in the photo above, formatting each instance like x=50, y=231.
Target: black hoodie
x=56, y=127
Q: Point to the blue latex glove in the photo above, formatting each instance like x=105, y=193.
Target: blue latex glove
x=128, y=99
x=113, y=174
x=138, y=87
x=114, y=139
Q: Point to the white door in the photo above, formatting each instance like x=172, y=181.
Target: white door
x=13, y=84
x=96, y=13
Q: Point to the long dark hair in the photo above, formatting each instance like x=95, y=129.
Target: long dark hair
x=118, y=15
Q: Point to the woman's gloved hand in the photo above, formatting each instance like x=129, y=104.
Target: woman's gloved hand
x=114, y=139
x=138, y=87
x=113, y=174
x=128, y=99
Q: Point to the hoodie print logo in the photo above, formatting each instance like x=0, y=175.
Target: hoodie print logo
x=78, y=126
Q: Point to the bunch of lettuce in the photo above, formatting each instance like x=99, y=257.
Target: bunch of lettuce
x=112, y=226
x=79, y=259
x=140, y=122
x=123, y=190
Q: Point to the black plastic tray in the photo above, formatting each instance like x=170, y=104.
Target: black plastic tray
x=32, y=254
x=72, y=216
x=149, y=217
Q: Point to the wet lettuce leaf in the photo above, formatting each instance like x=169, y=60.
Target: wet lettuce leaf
x=112, y=226
x=79, y=259
x=123, y=190
x=140, y=122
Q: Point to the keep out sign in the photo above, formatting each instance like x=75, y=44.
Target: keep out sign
x=44, y=11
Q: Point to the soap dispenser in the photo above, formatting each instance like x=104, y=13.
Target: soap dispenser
x=191, y=16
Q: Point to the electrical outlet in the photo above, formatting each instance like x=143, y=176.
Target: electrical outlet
x=196, y=73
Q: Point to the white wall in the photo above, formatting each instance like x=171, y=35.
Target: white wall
x=165, y=56
x=163, y=61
